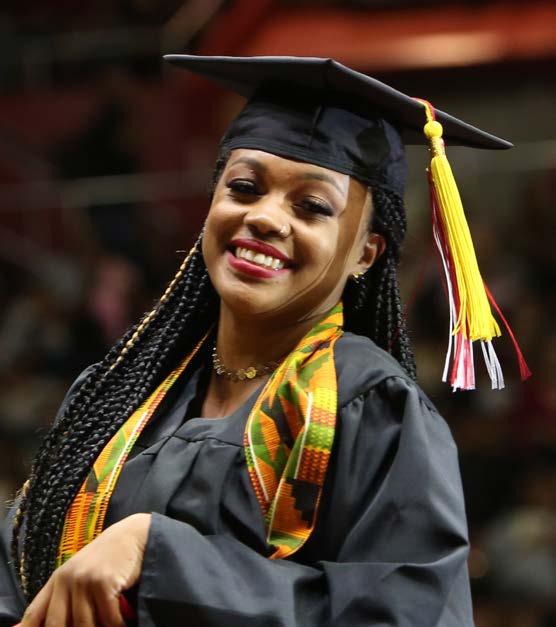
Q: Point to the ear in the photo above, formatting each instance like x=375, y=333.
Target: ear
x=374, y=246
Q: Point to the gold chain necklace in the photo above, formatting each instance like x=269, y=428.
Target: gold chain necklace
x=258, y=370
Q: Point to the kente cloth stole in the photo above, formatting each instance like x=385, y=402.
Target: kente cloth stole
x=85, y=516
x=288, y=441
x=289, y=436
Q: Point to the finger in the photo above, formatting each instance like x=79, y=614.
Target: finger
x=107, y=604
x=82, y=607
x=58, y=611
x=35, y=613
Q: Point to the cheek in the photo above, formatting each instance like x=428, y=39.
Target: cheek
x=314, y=247
x=218, y=225
x=324, y=256
x=337, y=257
x=216, y=218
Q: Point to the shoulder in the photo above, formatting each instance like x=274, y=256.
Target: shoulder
x=361, y=366
x=381, y=409
x=73, y=390
x=376, y=395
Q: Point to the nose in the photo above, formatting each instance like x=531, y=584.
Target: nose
x=268, y=217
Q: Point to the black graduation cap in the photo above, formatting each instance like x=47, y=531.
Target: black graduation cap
x=322, y=112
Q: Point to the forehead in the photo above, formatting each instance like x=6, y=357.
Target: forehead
x=266, y=162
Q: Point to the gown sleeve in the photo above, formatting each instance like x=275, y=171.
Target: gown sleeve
x=389, y=548
x=12, y=601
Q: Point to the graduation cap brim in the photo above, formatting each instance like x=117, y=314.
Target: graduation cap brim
x=246, y=75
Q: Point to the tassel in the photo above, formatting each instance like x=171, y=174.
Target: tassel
x=471, y=317
x=524, y=371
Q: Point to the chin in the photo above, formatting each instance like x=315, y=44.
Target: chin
x=281, y=312
x=273, y=301
x=249, y=297
x=244, y=302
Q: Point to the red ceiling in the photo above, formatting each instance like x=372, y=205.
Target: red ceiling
x=388, y=40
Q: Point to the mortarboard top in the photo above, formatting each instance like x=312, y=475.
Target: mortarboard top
x=322, y=112
x=246, y=75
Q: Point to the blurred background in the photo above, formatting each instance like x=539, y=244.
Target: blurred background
x=105, y=162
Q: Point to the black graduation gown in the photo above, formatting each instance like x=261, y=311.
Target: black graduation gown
x=390, y=543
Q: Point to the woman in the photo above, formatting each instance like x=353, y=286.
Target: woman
x=245, y=456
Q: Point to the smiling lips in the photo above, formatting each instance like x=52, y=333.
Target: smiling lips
x=257, y=258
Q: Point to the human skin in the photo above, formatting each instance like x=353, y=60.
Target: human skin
x=85, y=591
x=319, y=219
x=315, y=217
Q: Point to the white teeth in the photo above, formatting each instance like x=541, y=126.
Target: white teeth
x=258, y=258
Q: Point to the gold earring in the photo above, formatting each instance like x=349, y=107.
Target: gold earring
x=356, y=276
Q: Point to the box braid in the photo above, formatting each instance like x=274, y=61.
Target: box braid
x=110, y=393
x=114, y=388
x=372, y=303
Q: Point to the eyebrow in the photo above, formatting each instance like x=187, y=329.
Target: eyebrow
x=254, y=163
x=318, y=176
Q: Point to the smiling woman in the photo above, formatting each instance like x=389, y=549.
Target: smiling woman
x=317, y=222
x=256, y=451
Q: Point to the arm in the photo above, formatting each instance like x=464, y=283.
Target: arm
x=12, y=603
x=389, y=548
x=87, y=589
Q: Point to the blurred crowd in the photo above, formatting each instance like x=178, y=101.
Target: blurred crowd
x=507, y=439
x=67, y=294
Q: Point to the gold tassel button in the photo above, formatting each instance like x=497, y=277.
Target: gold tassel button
x=433, y=132
x=433, y=129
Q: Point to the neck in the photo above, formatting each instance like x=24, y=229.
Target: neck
x=245, y=342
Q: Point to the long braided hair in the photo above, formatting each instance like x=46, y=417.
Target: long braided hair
x=115, y=387
x=372, y=303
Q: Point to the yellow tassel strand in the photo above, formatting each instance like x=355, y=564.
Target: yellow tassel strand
x=475, y=319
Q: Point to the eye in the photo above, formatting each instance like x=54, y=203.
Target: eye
x=316, y=206
x=243, y=186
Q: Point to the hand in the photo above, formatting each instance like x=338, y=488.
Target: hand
x=85, y=591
